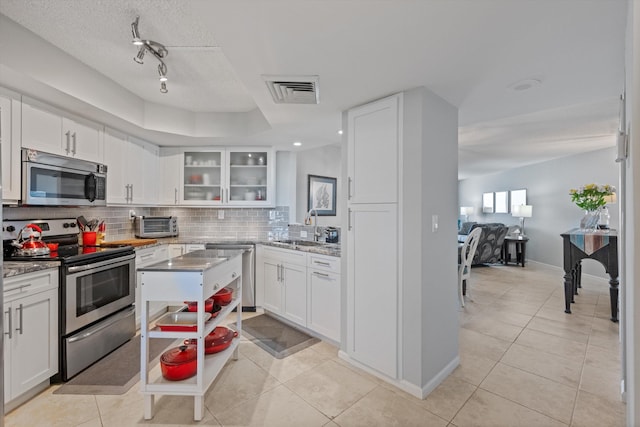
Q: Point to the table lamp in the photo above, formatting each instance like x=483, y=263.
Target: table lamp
x=522, y=211
x=466, y=211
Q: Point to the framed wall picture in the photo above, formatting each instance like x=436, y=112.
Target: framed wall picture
x=322, y=195
x=518, y=197
x=502, y=202
x=487, y=202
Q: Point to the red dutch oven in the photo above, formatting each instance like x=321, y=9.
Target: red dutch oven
x=223, y=296
x=219, y=339
x=193, y=305
x=179, y=363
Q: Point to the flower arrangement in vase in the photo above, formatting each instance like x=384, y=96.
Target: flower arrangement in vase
x=591, y=198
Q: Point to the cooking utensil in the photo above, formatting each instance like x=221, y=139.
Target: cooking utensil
x=179, y=363
x=218, y=340
x=223, y=296
x=29, y=241
x=193, y=305
x=82, y=222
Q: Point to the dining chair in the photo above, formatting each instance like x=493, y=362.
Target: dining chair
x=467, y=252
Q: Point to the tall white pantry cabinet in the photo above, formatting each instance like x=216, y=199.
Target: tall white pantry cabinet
x=372, y=235
x=401, y=308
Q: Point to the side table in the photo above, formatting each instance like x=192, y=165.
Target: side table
x=520, y=243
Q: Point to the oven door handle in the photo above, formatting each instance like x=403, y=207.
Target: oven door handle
x=100, y=264
x=97, y=328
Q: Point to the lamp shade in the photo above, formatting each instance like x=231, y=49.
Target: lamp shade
x=466, y=210
x=522, y=211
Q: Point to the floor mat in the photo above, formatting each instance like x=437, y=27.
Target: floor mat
x=276, y=338
x=117, y=372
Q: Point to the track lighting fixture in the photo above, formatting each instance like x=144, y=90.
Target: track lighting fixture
x=159, y=51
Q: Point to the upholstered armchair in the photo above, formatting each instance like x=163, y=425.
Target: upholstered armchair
x=491, y=240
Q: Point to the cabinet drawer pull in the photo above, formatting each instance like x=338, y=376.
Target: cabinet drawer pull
x=9, y=329
x=349, y=180
x=322, y=263
x=317, y=273
x=19, y=329
x=17, y=287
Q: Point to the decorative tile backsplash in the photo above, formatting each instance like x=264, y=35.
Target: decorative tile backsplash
x=197, y=223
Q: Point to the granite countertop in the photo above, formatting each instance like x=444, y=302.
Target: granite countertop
x=331, y=249
x=16, y=268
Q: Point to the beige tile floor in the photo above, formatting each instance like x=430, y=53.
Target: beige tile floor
x=524, y=362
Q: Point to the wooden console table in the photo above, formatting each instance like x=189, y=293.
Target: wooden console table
x=599, y=245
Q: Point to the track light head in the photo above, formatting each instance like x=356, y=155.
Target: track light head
x=163, y=87
x=134, y=32
x=140, y=56
x=162, y=70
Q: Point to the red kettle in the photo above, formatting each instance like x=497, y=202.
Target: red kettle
x=29, y=241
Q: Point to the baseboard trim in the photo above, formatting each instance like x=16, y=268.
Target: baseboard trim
x=412, y=389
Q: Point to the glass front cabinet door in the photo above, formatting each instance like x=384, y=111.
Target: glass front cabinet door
x=239, y=177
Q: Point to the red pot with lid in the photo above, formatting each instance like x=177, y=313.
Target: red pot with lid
x=179, y=363
x=218, y=340
x=193, y=305
x=223, y=296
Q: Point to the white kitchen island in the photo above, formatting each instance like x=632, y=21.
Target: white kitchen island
x=191, y=277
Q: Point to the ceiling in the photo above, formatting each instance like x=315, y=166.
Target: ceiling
x=471, y=53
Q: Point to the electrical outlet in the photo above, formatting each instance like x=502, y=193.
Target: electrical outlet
x=303, y=234
x=272, y=214
x=220, y=214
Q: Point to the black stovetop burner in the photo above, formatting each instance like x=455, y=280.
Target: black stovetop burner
x=74, y=253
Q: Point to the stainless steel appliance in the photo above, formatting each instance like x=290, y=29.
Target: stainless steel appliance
x=156, y=226
x=52, y=180
x=248, y=270
x=97, y=292
x=332, y=235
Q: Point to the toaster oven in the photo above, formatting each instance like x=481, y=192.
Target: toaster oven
x=156, y=226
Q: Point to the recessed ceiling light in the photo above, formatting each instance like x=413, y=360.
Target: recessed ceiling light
x=340, y=132
x=297, y=143
x=524, y=84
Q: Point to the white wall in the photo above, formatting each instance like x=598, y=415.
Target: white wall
x=547, y=187
x=323, y=161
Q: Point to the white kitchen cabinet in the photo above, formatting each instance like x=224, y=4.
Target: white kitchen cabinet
x=10, y=137
x=175, y=250
x=218, y=177
x=372, y=274
x=31, y=333
x=144, y=258
x=47, y=130
x=132, y=170
x=373, y=140
x=323, y=284
x=284, y=274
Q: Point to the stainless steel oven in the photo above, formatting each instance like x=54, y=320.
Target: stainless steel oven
x=95, y=290
x=52, y=180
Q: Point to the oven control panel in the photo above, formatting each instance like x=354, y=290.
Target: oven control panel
x=50, y=227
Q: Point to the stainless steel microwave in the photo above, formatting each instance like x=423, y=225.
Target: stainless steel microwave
x=156, y=226
x=52, y=180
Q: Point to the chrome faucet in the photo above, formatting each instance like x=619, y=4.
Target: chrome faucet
x=316, y=232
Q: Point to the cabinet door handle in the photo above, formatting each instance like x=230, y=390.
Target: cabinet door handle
x=175, y=196
x=68, y=135
x=131, y=192
x=278, y=272
x=349, y=188
x=349, y=219
x=322, y=263
x=73, y=138
x=282, y=274
x=317, y=273
x=10, y=328
x=19, y=329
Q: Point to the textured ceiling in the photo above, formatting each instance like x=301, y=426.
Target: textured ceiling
x=468, y=52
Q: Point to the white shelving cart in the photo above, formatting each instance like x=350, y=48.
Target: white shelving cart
x=191, y=277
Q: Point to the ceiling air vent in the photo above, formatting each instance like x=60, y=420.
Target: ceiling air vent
x=293, y=89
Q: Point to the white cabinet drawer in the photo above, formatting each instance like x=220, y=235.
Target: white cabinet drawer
x=323, y=262
x=37, y=281
x=285, y=255
x=190, y=247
